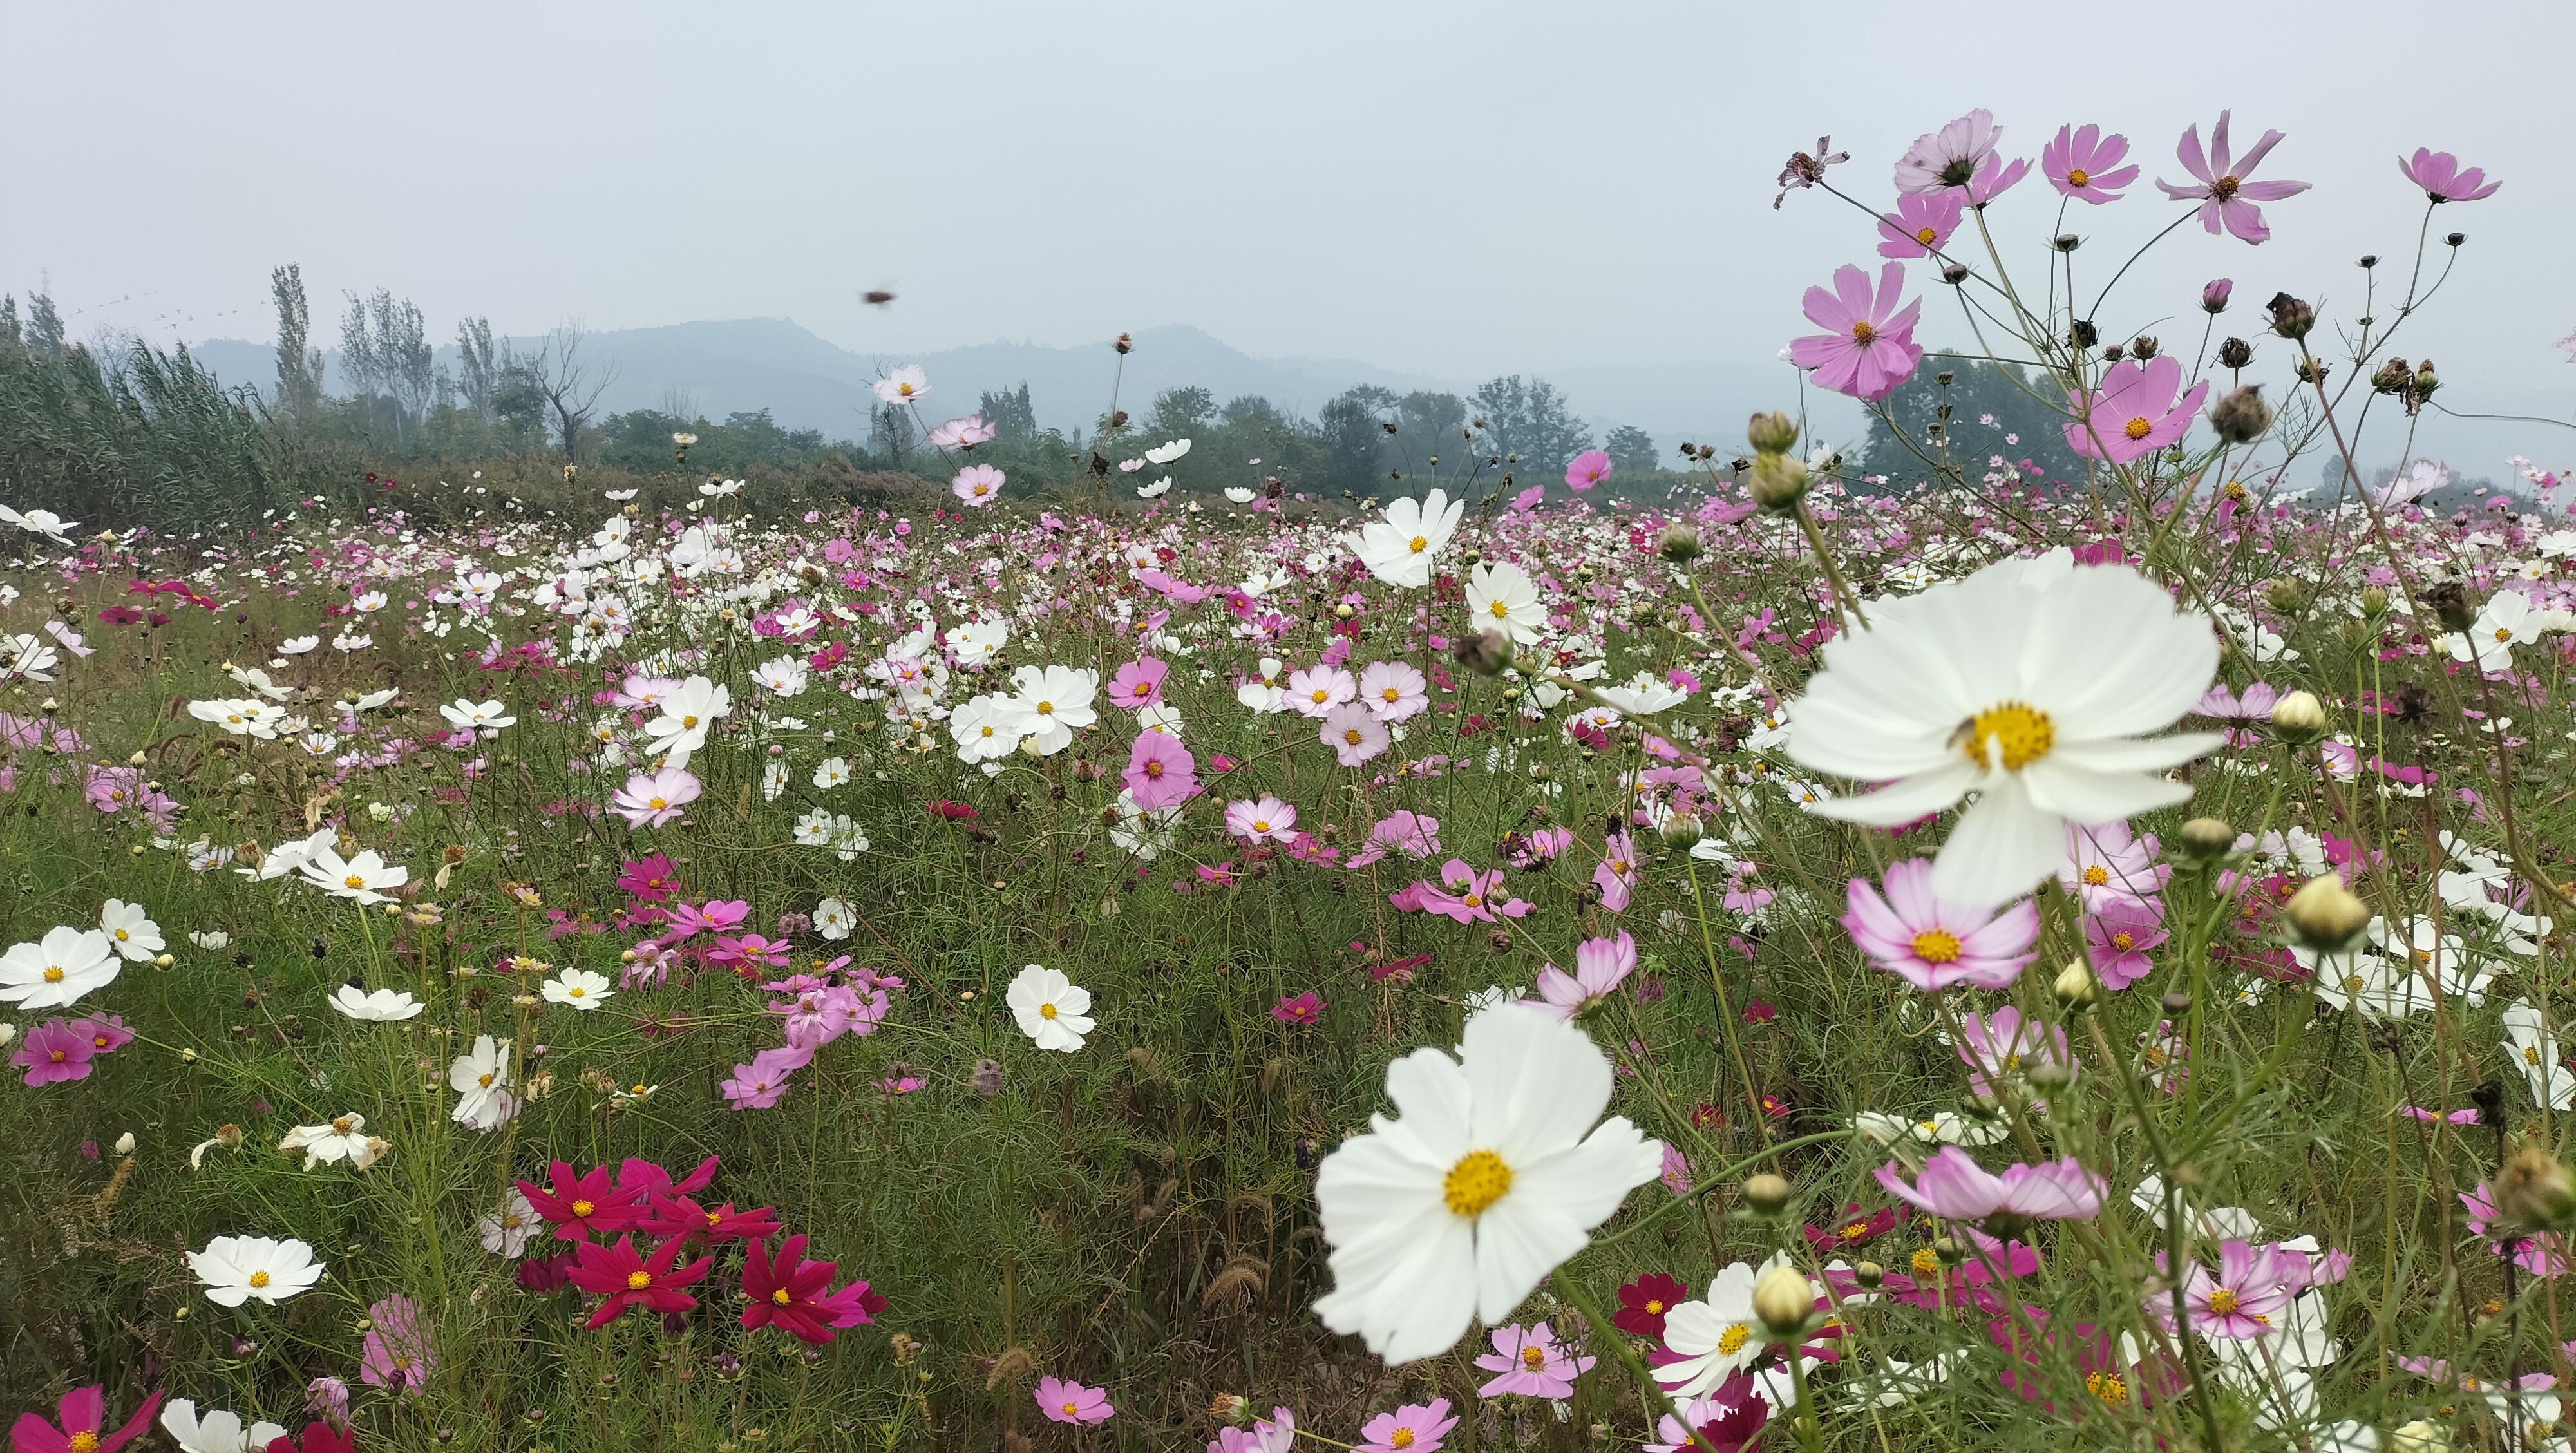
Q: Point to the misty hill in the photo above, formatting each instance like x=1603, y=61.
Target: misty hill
x=807, y=382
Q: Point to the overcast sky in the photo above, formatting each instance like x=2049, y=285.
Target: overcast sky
x=1455, y=190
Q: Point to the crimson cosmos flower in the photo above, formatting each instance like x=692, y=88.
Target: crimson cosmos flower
x=1643, y=1302
x=789, y=1294
x=681, y=1216
x=630, y=1280
x=319, y=1437
x=84, y=1415
x=587, y=1203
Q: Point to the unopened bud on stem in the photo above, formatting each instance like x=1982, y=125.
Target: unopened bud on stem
x=2241, y=416
x=2299, y=718
x=2205, y=839
x=1679, y=543
x=1779, y=482
x=1487, y=653
x=2325, y=916
x=1766, y=1193
x=2076, y=987
x=2533, y=1190
x=1771, y=433
x=1784, y=1300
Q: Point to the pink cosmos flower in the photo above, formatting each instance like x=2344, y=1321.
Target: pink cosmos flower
x=2108, y=862
x=1304, y=1008
x=2455, y=1117
x=713, y=916
x=1160, y=772
x=1676, y=1174
x=1393, y=691
x=2117, y=937
x=2214, y=294
x=1951, y=156
x=1531, y=1363
x=1995, y=178
x=2254, y=706
x=2240, y=1300
x=657, y=800
x=1139, y=684
x=2084, y=164
x=963, y=433
x=1354, y=734
x=54, y=1052
x=759, y=1084
x=979, y=485
x=2439, y=174
x=1274, y=1434
x=1616, y=876
x=745, y=952
x=1931, y=944
x=1423, y=1426
x=651, y=880
x=1266, y=819
x=1868, y=346
x=1316, y=690
x=1469, y=896
x=1413, y=834
x=1956, y=1188
x=83, y=1413
x=1922, y=224
x=2134, y=412
x=1587, y=469
x=1999, y=1044
x=2226, y=198
x=1600, y=964
x=644, y=693
x=1071, y=1402
x=396, y=1353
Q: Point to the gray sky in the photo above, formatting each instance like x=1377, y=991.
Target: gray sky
x=1454, y=190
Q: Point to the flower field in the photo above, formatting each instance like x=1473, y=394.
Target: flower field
x=1814, y=957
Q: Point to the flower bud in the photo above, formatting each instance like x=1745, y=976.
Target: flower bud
x=1783, y=1298
x=2299, y=718
x=1779, y=482
x=1679, y=543
x=2426, y=380
x=2067, y=242
x=1486, y=653
x=2049, y=1076
x=125, y=1143
x=2111, y=352
x=1954, y=273
x=1683, y=830
x=2285, y=594
x=1771, y=433
x=2076, y=987
x=2451, y=604
x=2419, y=1436
x=1766, y=1193
x=2240, y=416
x=2235, y=353
x=2532, y=1189
x=2213, y=298
x=2325, y=916
x=2291, y=318
x=2143, y=347
x=2206, y=839
x=1870, y=1275
x=2455, y=239
x=2374, y=600
x=1949, y=1252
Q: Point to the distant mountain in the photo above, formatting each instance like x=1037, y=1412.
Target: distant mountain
x=807, y=382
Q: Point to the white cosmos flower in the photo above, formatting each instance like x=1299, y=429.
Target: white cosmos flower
x=210, y=938
x=1493, y=1176
x=580, y=988
x=481, y=1079
x=2031, y=684
x=27, y=656
x=344, y=1138
x=1399, y=548
x=1053, y=1011
x=687, y=715
x=1052, y=703
x=1238, y=494
x=237, y=1269
x=467, y=715
x=214, y=1432
x=1501, y=597
x=505, y=1232
x=833, y=919
x=382, y=1006
x=903, y=385
x=786, y=675
x=984, y=730
x=1715, y=1336
x=58, y=968
x=978, y=642
x=130, y=930
x=2534, y=1050
x=1166, y=453
x=1156, y=490
x=1944, y=1127
x=297, y=646
x=363, y=878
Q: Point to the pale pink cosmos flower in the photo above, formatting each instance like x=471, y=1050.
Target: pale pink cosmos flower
x=1950, y=156
x=1956, y=1188
x=2440, y=175
x=1587, y=469
x=396, y=1353
x=655, y=800
x=2004, y=1043
x=2111, y=862
x=963, y=433
x=1531, y=1363
x=977, y=484
x=1466, y=895
x=2117, y=937
x=1160, y=772
x=1616, y=876
x=2226, y=198
x=1274, y=1434
x=1922, y=224
x=759, y=1084
x=1353, y=732
x=2134, y=413
x=2084, y=164
x=1393, y=691
x=1423, y=1426
x=1868, y=345
x=2241, y=1300
x=1934, y=945
x=1416, y=835
x=1600, y=964
x=1263, y=819
x=1995, y=178
x=1316, y=690
x=1071, y=1402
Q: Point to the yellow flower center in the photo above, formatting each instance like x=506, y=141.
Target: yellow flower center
x=1071, y=1408
x=2225, y=187
x=688, y=723
x=1400, y=1438
x=1501, y=610
x=1533, y=1359
x=2123, y=940
x=581, y=1208
x=1046, y=1011
x=1654, y=1306
x=2530, y=1055
x=2109, y=1388
x=1392, y=695
x=2022, y=734
x=638, y=1280
x=2503, y=634
x=1925, y=1263
x=576, y=991
x=84, y=1442
x=1477, y=1181
x=53, y=973
x=484, y=1079
x=2139, y=428
x=354, y=881
x=1261, y=824
x=1857, y=1228
x=2222, y=1301
x=1862, y=333
x=121, y=934
x=1936, y=946
x=340, y=1126
x=2077, y=176
x=1927, y=235
x=660, y=803
x=1352, y=735
x=1419, y=544
x=781, y=1298
x=1732, y=1340
x=1046, y=708
x=258, y=1279
x=2096, y=876
x=2352, y=983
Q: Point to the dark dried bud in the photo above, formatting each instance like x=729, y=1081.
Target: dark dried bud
x=1944, y=377
x=2450, y=602
x=1118, y=419
x=2394, y=376
x=2455, y=239
x=1487, y=653
x=1498, y=941
x=1124, y=344
x=2370, y=259
x=2085, y=335
x=1388, y=425
x=1954, y=274
x=2235, y=353
x=2240, y=416
x=2291, y=318
x=2111, y=352
x=2068, y=242
x=2143, y=347
x=2311, y=369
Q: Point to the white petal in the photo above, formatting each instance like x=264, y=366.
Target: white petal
x=2002, y=846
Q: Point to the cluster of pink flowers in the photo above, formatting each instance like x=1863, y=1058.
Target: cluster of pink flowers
x=66, y=1049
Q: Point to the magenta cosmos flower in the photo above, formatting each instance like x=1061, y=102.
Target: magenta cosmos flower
x=1951, y=156
x=1071, y=1402
x=1922, y=224
x=657, y=800
x=2134, y=412
x=1160, y=772
x=2084, y=164
x=1931, y=944
x=1868, y=347
x=1413, y=1428
x=1139, y=684
x=1588, y=469
x=1531, y=1363
x=1303, y=1008
x=2226, y=198
x=54, y=1052
x=977, y=484
x=1600, y=964
x=1956, y=1188
x=84, y=1425
x=628, y=1279
x=2439, y=174
x=2117, y=938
